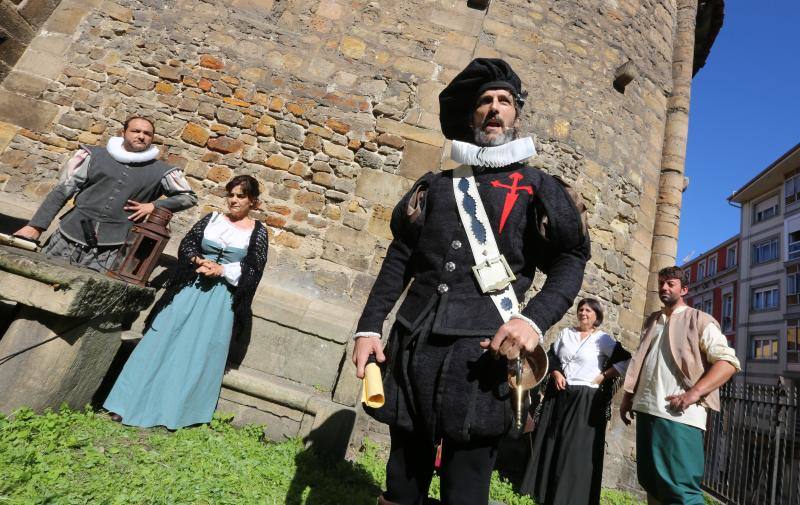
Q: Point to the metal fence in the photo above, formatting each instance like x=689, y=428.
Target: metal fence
x=752, y=446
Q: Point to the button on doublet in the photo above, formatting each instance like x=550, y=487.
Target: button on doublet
x=449, y=266
x=456, y=244
x=442, y=288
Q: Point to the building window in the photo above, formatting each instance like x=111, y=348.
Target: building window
x=793, y=246
x=698, y=306
x=730, y=257
x=765, y=209
x=712, y=265
x=793, y=285
x=708, y=306
x=763, y=347
x=765, y=298
x=701, y=270
x=792, y=189
x=793, y=341
x=764, y=251
x=727, y=312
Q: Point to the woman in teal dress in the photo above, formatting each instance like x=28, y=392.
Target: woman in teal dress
x=173, y=377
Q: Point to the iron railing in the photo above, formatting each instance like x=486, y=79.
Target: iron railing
x=752, y=446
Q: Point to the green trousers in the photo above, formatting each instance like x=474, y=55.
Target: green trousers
x=669, y=460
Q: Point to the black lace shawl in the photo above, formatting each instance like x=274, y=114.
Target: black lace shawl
x=253, y=264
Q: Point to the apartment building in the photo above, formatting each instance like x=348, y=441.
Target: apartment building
x=768, y=312
x=713, y=282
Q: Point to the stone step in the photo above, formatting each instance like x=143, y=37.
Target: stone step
x=287, y=409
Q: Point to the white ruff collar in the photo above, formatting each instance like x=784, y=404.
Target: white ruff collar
x=495, y=156
x=119, y=153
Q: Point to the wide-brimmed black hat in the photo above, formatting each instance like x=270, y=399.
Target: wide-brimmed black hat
x=457, y=101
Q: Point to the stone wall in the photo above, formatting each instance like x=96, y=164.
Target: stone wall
x=20, y=21
x=332, y=105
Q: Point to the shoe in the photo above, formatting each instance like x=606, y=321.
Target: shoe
x=115, y=417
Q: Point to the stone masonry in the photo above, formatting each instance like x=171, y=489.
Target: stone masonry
x=332, y=106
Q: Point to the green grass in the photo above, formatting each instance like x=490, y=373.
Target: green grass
x=72, y=457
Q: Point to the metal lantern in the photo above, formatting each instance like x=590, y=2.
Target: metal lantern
x=139, y=254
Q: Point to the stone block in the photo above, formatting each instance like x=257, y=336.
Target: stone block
x=37, y=12
x=418, y=159
x=14, y=24
x=7, y=132
x=26, y=84
x=337, y=151
x=195, y=134
x=338, y=126
x=352, y=47
x=369, y=159
x=421, y=68
x=225, y=145
x=311, y=201
x=116, y=11
x=228, y=116
x=212, y=62
x=26, y=112
x=219, y=174
x=289, y=133
x=381, y=187
x=51, y=43
x=406, y=131
x=66, y=17
x=40, y=64
x=387, y=139
x=279, y=161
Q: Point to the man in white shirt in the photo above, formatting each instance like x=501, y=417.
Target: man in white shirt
x=674, y=376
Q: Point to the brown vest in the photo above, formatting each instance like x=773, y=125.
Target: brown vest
x=685, y=330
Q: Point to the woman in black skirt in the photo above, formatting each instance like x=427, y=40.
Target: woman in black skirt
x=566, y=465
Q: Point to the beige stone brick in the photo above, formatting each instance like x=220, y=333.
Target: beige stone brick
x=452, y=57
x=429, y=137
x=219, y=173
x=337, y=126
x=116, y=11
x=352, y=47
x=337, y=151
x=421, y=68
x=26, y=112
x=7, y=133
x=195, y=134
x=330, y=9
x=279, y=161
x=380, y=187
x=212, y=62
x=419, y=158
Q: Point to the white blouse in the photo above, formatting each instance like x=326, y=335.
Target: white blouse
x=223, y=232
x=581, y=360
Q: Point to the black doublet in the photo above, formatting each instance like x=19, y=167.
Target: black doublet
x=438, y=378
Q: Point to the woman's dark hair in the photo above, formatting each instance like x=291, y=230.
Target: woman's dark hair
x=595, y=306
x=248, y=183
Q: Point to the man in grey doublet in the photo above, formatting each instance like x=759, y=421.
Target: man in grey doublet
x=113, y=187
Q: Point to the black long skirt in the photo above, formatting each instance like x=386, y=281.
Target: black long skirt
x=566, y=465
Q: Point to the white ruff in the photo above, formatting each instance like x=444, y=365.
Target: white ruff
x=119, y=153
x=495, y=156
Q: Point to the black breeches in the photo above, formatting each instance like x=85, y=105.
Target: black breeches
x=465, y=470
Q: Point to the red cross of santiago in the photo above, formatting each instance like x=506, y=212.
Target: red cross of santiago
x=511, y=196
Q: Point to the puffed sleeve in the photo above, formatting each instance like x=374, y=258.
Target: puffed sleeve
x=408, y=218
x=562, y=249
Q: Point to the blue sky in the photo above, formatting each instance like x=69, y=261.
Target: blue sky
x=745, y=113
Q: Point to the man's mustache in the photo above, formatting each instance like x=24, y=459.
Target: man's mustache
x=493, y=117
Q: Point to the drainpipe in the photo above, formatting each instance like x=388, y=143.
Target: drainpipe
x=672, y=181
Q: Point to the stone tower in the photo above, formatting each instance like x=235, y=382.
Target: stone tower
x=332, y=105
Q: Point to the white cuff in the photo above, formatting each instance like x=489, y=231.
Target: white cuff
x=530, y=323
x=232, y=272
x=366, y=334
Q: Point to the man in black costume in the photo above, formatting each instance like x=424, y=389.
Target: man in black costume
x=471, y=240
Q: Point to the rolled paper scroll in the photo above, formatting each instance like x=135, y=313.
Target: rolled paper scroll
x=372, y=394
x=18, y=242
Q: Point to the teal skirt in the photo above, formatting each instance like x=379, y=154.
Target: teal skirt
x=173, y=377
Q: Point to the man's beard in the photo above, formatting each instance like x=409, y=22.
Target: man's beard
x=669, y=300
x=133, y=149
x=482, y=138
